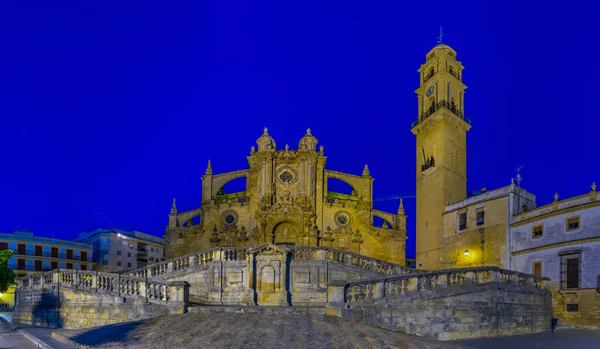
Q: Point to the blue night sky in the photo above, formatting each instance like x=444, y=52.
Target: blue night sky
x=108, y=112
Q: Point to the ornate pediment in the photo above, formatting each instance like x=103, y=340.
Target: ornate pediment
x=269, y=248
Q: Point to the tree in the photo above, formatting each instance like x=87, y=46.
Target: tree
x=7, y=276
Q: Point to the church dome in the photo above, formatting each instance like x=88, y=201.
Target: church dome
x=265, y=142
x=308, y=142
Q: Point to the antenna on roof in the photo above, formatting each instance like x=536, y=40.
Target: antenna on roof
x=440, y=37
x=519, y=178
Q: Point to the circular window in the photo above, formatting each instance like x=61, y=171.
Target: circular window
x=342, y=219
x=229, y=217
x=286, y=176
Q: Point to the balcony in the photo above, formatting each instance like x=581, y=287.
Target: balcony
x=436, y=107
x=429, y=163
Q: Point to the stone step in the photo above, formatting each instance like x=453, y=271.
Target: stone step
x=248, y=309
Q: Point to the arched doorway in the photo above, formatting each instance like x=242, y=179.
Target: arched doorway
x=285, y=233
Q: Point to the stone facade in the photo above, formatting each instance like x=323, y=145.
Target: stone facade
x=561, y=241
x=287, y=202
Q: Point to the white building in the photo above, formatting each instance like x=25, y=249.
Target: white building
x=117, y=250
x=561, y=241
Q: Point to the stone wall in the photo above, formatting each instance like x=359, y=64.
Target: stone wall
x=74, y=309
x=447, y=305
x=77, y=299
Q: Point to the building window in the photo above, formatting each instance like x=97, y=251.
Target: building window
x=69, y=265
x=151, y=259
x=480, y=217
x=84, y=267
x=536, y=269
x=118, y=252
x=20, y=264
x=3, y=246
x=21, y=249
x=54, y=252
x=128, y=254
x=572, y=223
x=69, y=255
x=104, y=262
x=129, y=265
x=537, y=231
x=571, y=272
x=462, y=221
x=38, y=265
x=84, y=256
x=53, y=265
x=572, y=307
x=38, y=250
x=118, y=263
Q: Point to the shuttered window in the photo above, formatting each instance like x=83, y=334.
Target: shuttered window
x=537, y=268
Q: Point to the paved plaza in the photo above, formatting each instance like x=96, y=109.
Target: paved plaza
x=561, y=339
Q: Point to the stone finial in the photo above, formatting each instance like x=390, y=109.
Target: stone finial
x=252, y=150
x=266, y=132
x=512, y=181
x=208, y=169
x=401, y=208
x=321, y=150
x=308, y=132
x=287, y=147
x=593, y=186
x=366, y=172
x=555, y=196
x=174, y=207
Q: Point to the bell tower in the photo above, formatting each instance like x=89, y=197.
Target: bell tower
x=441, y=131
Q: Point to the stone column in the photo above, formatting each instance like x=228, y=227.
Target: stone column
x=336, y=298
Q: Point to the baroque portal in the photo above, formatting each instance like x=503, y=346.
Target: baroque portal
x=287, y=201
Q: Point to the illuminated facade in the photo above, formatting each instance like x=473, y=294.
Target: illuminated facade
x=35, y=254
x=287, y=201
x=441, y=135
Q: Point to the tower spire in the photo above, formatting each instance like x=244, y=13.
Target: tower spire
x=366, y=172
x=174, y=207
x=208, y=169
x=439, y=41
x=401, y=208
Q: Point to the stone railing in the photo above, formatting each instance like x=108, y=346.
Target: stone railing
x=308, y=253
x=359, y=292
x=159, y=292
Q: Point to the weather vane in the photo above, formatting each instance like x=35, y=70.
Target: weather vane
x=440, y=37
x=519, y=178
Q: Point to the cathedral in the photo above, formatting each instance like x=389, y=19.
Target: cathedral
x=287, y=202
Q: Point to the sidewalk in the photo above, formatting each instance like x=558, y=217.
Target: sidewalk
x=38, y=337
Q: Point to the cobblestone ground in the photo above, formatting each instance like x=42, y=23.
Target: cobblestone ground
x=11, y=339
x=562, y=339
x=195, y=330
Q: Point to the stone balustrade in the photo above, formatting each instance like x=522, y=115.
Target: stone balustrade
x=308, y=253
x=160, y=292
x=447, y=304
x=407, y=285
